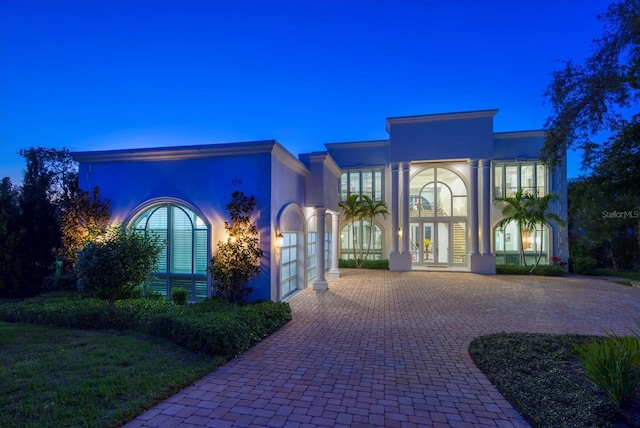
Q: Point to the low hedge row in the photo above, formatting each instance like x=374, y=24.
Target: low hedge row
x=213, y=326
x=365, y=264
x=543, y=270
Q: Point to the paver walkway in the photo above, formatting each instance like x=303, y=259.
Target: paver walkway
x=388, y=349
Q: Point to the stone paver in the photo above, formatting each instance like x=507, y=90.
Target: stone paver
x=389, y=349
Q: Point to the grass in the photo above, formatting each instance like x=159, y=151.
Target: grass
x=53, y=376
x=632, y=276
x=539, y=375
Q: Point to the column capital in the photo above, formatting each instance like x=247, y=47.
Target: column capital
x=320, y=210
x=485, y=163
x=473, y=163
x=405, y=166
x=394, y=166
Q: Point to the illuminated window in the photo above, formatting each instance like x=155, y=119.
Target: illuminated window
x=183, y=261
x=361, y=182
x=508, y=178
x=358, y=237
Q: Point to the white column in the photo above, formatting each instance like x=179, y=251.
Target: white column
x=405, y=208
x=486, y=207
x=394, y=208
x=473, y=210
x=335, y=235
x=320, y=283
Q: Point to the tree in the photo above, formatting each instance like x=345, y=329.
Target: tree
x=10, y=263
x=540, y=215
x=237, y=261
x=515, y=210
x=84, y=218
x=352, y=211
x=112, y=268
x=369, y=211
x=594, y=96
x=39, y=231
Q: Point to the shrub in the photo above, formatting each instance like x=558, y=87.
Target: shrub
x=543, y=270
x=113, y=268
x=612, y=364
x=237, y=261
x=584, y=265
x=366, y=264
x=214, y=326
x=179, y=295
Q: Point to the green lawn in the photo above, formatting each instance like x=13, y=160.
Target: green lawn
x=633, y=276
x=539, y=375
x=53, y=377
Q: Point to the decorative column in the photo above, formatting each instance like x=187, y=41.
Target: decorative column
x=320, y=283
x=405, y=208
x=334, y=272
x=473, y=210
x=394, y=208
x=486, y=207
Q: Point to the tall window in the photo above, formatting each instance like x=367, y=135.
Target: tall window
x=289, y=264
x=355, y=236
x=361, y=182
x=507, y=244
x=508, y=178
x=183, y=261
x=311, y=256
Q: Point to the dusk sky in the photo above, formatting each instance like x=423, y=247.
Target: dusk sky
x=98, y=74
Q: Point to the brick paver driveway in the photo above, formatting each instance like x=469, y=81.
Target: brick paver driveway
x=390, y=349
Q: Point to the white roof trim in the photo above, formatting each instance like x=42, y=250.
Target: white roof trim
x=177, y=153
x=357, y=144
x=520, y=134
x=439, y=117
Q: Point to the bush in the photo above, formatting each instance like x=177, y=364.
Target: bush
x=612, y=364
x=366, y=264
x=179, y=295
x=213, y=326
x=543, y=270
x=112, y=269
x=584, y=265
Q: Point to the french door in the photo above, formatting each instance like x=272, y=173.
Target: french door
x=438, y=243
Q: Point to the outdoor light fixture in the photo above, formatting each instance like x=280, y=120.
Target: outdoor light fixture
x=279, y=240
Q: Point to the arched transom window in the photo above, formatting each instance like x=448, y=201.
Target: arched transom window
x=437, y=192
x=183, y=261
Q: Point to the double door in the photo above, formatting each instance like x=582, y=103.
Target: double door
x=439, y=243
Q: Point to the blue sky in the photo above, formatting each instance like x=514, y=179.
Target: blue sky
x=98, y=74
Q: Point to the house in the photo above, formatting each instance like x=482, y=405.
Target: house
x=438, y=174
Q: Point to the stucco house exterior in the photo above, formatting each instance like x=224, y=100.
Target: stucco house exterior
x=438, y=174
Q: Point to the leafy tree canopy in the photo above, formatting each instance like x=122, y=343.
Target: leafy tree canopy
x=595, y=96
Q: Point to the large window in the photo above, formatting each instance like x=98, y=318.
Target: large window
x=289, y=264
x=508, y=178
x=183, y=261
x=437, y=192
x=311, y=256
x=508, y=245
x=355, y=237
x=361, y=182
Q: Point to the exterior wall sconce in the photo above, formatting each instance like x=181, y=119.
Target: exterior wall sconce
x=400, y=232
x=279, y=240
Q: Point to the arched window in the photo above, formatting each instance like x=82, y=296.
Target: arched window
x=507, y=245
x=437, y=192
x=183, y=261
x=356, y=236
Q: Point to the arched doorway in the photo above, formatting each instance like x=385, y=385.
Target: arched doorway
x=184, y=258
x=438, y=211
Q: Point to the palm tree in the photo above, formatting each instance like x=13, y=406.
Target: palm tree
x=516, y=210
x=370, y=210
x=352, y=211
x=538, y=213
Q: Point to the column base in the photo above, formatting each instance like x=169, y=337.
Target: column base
x=400, y=262
x=320, y=285
x=334, y=273
x=483, y=263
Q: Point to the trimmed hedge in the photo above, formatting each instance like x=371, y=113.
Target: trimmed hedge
x=213, y=326
x=366, y=264
x=543, y=270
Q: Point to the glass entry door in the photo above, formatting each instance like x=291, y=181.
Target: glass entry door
x=430, y=243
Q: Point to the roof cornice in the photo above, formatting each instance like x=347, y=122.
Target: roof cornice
x=177, y=153
x=358, y=144
x=440, y=117
x=520, y=134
